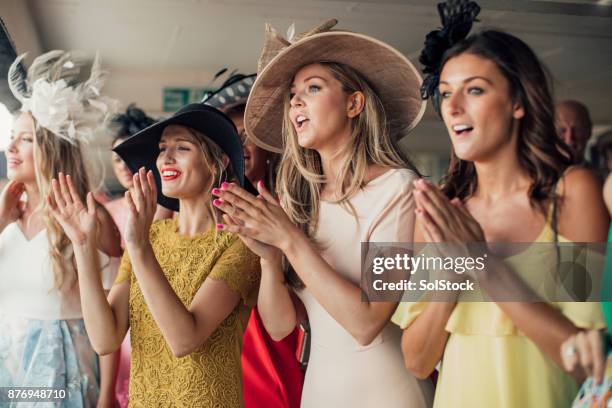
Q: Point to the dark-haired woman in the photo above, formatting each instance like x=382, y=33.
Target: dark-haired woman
x=509, y=181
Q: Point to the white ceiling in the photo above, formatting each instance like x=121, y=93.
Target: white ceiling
x=149, y=44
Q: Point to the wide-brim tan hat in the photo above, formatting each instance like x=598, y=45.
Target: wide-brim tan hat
x=394, y=78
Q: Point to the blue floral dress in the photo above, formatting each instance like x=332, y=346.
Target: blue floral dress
x=43, y=342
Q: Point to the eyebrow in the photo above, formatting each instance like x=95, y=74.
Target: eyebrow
x=309, y=78
x=471, y=79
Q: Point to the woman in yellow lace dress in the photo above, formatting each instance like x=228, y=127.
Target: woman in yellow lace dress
x=183, y=288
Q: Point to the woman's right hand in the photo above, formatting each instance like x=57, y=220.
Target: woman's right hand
x=80, y=223
x=583, y=353
x=265, y=251
x=10, y=206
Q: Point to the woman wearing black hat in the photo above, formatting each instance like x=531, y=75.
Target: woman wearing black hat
x=182, y=287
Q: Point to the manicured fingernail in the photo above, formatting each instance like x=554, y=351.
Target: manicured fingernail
x=220, y=226
x=225, y=185
x=217, y=202
x=260, y=183
x=216, y=191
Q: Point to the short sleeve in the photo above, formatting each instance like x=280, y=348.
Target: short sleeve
x=407, y=312
x=395, y=223
x=125, y=269
x=240, y=269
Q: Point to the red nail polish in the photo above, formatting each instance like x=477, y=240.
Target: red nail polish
x=220, y=226
x=217, y=202
x=216, y=191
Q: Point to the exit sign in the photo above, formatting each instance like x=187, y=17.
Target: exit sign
x=175, y=98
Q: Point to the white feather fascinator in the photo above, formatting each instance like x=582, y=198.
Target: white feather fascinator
x=60, y=97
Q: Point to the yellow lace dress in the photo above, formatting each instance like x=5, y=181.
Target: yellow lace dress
x=211, y=376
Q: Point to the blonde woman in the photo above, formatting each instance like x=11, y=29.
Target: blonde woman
x=342, y=181
x=183, y=289
x=43, y=342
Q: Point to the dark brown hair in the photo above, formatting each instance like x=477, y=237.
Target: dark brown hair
x=541, y=153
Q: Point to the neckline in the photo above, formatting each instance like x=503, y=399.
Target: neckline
x=376, y=180
x=182, y=237
x=23, y=235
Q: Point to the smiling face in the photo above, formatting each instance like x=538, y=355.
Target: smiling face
x=181, y=162
x=477, y=107
x=320, y=110
x=20, y=151
x=121, y=170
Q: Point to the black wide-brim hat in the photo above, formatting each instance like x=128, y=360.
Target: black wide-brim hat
x=142, y=149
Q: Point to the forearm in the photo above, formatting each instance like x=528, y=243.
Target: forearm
x=274, y=302
x=176, y=323
x=109, y=365
x=424, y=341
x=338, y=296
x=100, y=321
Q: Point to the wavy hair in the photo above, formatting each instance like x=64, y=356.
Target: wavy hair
x=540, y=152
x=300, y=175
x=51, y=156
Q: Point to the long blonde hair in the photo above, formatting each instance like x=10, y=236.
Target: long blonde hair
x=300, y=175
x=51, y=156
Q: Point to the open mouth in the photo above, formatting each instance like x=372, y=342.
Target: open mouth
x=300, y=122
x=13, y=163
x=462, y=130
x=170, y=174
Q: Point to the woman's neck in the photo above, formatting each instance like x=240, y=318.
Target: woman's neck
x=33, y=199
x=332, y=166
x=193, y=217
x=501, y=176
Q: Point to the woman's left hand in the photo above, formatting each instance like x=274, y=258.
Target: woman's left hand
x=142, y=203
x=260, y=218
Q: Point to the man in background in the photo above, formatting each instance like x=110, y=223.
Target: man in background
x=574, y=126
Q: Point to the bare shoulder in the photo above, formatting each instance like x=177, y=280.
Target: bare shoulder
x=583, y=216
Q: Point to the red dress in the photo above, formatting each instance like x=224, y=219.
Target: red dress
x=271, y=376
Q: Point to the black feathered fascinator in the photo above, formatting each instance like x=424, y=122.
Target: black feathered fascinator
x=457, y=17
x=131, y=122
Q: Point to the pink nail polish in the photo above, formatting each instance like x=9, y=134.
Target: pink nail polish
x=220, y=226
x=216, y=191
x=217, y=202
x=225, y=185
x=260, y=183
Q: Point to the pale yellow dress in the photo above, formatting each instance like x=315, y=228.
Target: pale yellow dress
x=488, y=362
